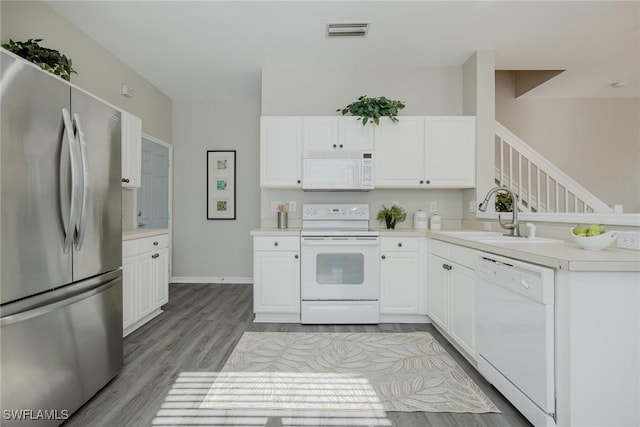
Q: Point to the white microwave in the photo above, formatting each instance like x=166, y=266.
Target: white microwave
x=337, y=170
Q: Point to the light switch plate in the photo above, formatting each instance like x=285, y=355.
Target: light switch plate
x=433, y=206
x=292, y=206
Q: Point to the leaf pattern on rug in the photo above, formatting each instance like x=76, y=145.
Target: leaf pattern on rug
x=344, y=371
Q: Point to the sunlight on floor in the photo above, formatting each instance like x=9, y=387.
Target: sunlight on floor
x=250, y=398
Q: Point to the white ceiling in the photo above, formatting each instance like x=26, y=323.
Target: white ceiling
x=205, y=49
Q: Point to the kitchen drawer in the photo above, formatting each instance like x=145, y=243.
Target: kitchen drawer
x=404, y=244
x=128, y=248
x=152, y=243
x=274, y=243
x=463, y=256
x=439, y=248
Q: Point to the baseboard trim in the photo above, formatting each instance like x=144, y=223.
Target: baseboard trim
x=214, y=280
x=404, y=318
x=277, y=318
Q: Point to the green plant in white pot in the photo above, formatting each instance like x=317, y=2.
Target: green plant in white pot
x=391, y=216
x=369, y=110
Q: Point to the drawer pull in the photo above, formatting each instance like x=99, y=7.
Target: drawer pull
x=399, y=244
x=155, y=243
x=154, y=256
x=296, y=256
x=384, y=257
x=275, y=243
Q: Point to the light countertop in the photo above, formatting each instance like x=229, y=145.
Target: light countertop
x=566, y=256
x=273, y=231
x=139, y=233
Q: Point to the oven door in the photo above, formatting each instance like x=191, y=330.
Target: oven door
x=340, y=268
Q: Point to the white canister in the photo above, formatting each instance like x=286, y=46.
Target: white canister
x=420, y=220
x=436, y=222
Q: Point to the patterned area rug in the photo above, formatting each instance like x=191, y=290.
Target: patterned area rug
x=344, y=371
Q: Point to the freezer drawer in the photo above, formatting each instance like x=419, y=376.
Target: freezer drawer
x=56, y=356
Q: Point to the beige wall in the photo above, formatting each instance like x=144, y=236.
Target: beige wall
x=214, y=248
x=320, y=90
x=99, y=72
x=478, y=99
x=594, y=140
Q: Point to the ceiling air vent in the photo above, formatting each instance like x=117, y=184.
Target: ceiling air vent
x=347, y=29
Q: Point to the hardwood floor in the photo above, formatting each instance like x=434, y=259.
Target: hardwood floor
x=197, y=332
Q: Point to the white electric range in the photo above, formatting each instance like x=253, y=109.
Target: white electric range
x=340, y=265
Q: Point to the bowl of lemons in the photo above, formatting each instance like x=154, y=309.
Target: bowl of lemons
x=593, y=237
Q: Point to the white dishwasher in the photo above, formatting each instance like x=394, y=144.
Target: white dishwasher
x=515, y=333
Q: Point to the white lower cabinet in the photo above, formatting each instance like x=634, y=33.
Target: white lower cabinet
x=276, y=278
x=145, y=280
x=402, y=282
x=451, y=293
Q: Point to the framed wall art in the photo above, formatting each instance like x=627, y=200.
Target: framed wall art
x=221, y=184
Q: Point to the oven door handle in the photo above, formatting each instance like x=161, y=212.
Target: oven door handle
x=357, y=241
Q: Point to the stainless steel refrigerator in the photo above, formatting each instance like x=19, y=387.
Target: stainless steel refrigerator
x=61, y=253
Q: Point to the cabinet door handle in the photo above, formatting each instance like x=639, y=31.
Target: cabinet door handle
x=296, y=256
x=384, y=257
x=341, y=145
x=298, y=181
x=154, y=256
x=428, y=182
x=155, y=243
x=421, y=181
x=446, y=266
x=399, y=244
x=275, y=243
x=334, y=145
x=126, y=180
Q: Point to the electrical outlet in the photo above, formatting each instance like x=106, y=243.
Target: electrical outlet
x=628, y=240
x=472, y=206
x=433, y=206
x=274, y=206
x=292, y=206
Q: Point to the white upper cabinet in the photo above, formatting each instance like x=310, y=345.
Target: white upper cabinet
x=415, y=152
x=353, y=136
x=336, y=133
x=320, y=133
x=131, y=150
x=281, y=152
x=426, y=152
x=450, y=160
x=399, y=154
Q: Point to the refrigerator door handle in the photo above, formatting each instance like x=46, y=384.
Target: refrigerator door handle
x=55, y=305
x=71, y=225
x=85, y=181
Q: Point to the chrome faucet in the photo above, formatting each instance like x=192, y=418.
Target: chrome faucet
x=513, y=225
